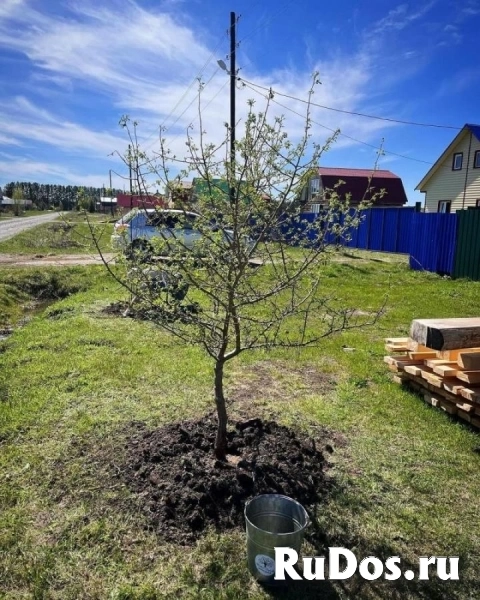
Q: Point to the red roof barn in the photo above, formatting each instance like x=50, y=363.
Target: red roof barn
x=140, y=201
x=355, y=183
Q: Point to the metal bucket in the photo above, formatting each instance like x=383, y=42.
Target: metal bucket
x=272, y=520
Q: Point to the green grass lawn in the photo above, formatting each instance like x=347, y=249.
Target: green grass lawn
x=405, y=476
x=72, y=233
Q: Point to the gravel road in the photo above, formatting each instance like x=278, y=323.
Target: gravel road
x=10, y=227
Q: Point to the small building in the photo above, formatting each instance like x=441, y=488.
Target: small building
x=127, y=201
x=359, y=184
x=6, y=203
x=106, y=204
x=453, y=182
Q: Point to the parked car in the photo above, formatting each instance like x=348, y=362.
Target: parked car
x=135, y=230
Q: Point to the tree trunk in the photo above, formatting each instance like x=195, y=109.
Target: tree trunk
x=221, y=439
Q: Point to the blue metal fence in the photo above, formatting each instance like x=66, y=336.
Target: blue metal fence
x=429, y=238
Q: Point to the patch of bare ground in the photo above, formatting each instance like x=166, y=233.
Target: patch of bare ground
x=183, y=490
x=173, y=480
x=277, y=381
x=60, y=260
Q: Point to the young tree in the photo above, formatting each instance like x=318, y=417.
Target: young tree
x=207, y=292
x=17, y=198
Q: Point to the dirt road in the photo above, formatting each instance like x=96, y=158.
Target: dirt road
x=12, y=226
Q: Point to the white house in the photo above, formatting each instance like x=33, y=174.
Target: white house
x=453, y=182
x=6, y=201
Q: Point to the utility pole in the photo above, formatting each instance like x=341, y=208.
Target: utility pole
x=110, y=173
x=130, y=173
x=232, y=103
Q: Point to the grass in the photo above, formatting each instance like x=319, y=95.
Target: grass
x=73, y=233
x=23, y=291
x=405, y=475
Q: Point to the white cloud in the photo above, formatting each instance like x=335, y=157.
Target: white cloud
x=22, y=120
x=24, y=169
x=141, y=62
x=10, y=8
x=400, y=17
x=122, y=50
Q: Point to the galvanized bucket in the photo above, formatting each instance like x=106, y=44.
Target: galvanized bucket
x=272, y=521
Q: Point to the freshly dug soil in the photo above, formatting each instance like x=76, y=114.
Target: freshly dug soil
x=183, y=489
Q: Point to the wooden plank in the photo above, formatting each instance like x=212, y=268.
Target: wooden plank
x=446, y=370
x=414, y=346
x=465, y=416
x=446, y=334
x=469, y=360
x=471, y=393
x=433, y=379
x=475, y=421
x=395, y=349
x=468, y=408
x=448, y=407
x=469, y=376
x=454, y=354
x=422, y=355
x=440, y=402
x=421, y=385
x=434, y=362
x=396, y=340
x=400, y=362
x=432, y=400
x=413, y=370
x=453, y=387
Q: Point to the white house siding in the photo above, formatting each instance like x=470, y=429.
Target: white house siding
x=446, y=184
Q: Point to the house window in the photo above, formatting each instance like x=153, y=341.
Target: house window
x=478, y=203
x=316, y=208
x=444, y=206
x=457, y=161
x=476, y=160
x=314, y=187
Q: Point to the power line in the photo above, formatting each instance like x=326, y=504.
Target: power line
x=340, y=132
x=196, y=78
x=203, y=107
x=194, y=99
x=349, y=112
x=183, y=96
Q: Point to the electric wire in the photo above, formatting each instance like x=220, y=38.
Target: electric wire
x=349, y=112
x=383, y=150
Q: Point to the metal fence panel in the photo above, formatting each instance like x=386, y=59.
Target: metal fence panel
x=467, y=260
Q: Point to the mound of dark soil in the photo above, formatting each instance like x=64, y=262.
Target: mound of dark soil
x=183, y=489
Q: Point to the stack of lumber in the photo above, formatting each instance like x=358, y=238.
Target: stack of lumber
x=441, y=360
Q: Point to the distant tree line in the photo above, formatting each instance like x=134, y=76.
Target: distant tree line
x=64, y=197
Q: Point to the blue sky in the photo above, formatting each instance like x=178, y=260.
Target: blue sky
x=71, y=69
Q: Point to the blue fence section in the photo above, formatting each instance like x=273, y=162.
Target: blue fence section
x=429, y=238
x=433, y=242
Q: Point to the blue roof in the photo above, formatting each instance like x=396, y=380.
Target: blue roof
x=475, y=129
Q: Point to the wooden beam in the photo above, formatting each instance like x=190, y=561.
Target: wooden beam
x=446, y=370
x=469, y=376
x=422, y=355
x=446, y=334
x=469, y=360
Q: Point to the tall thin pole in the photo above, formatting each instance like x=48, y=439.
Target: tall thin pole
x=232, y=102
x=110, y=173
x=130, y=173
x=232, y=85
